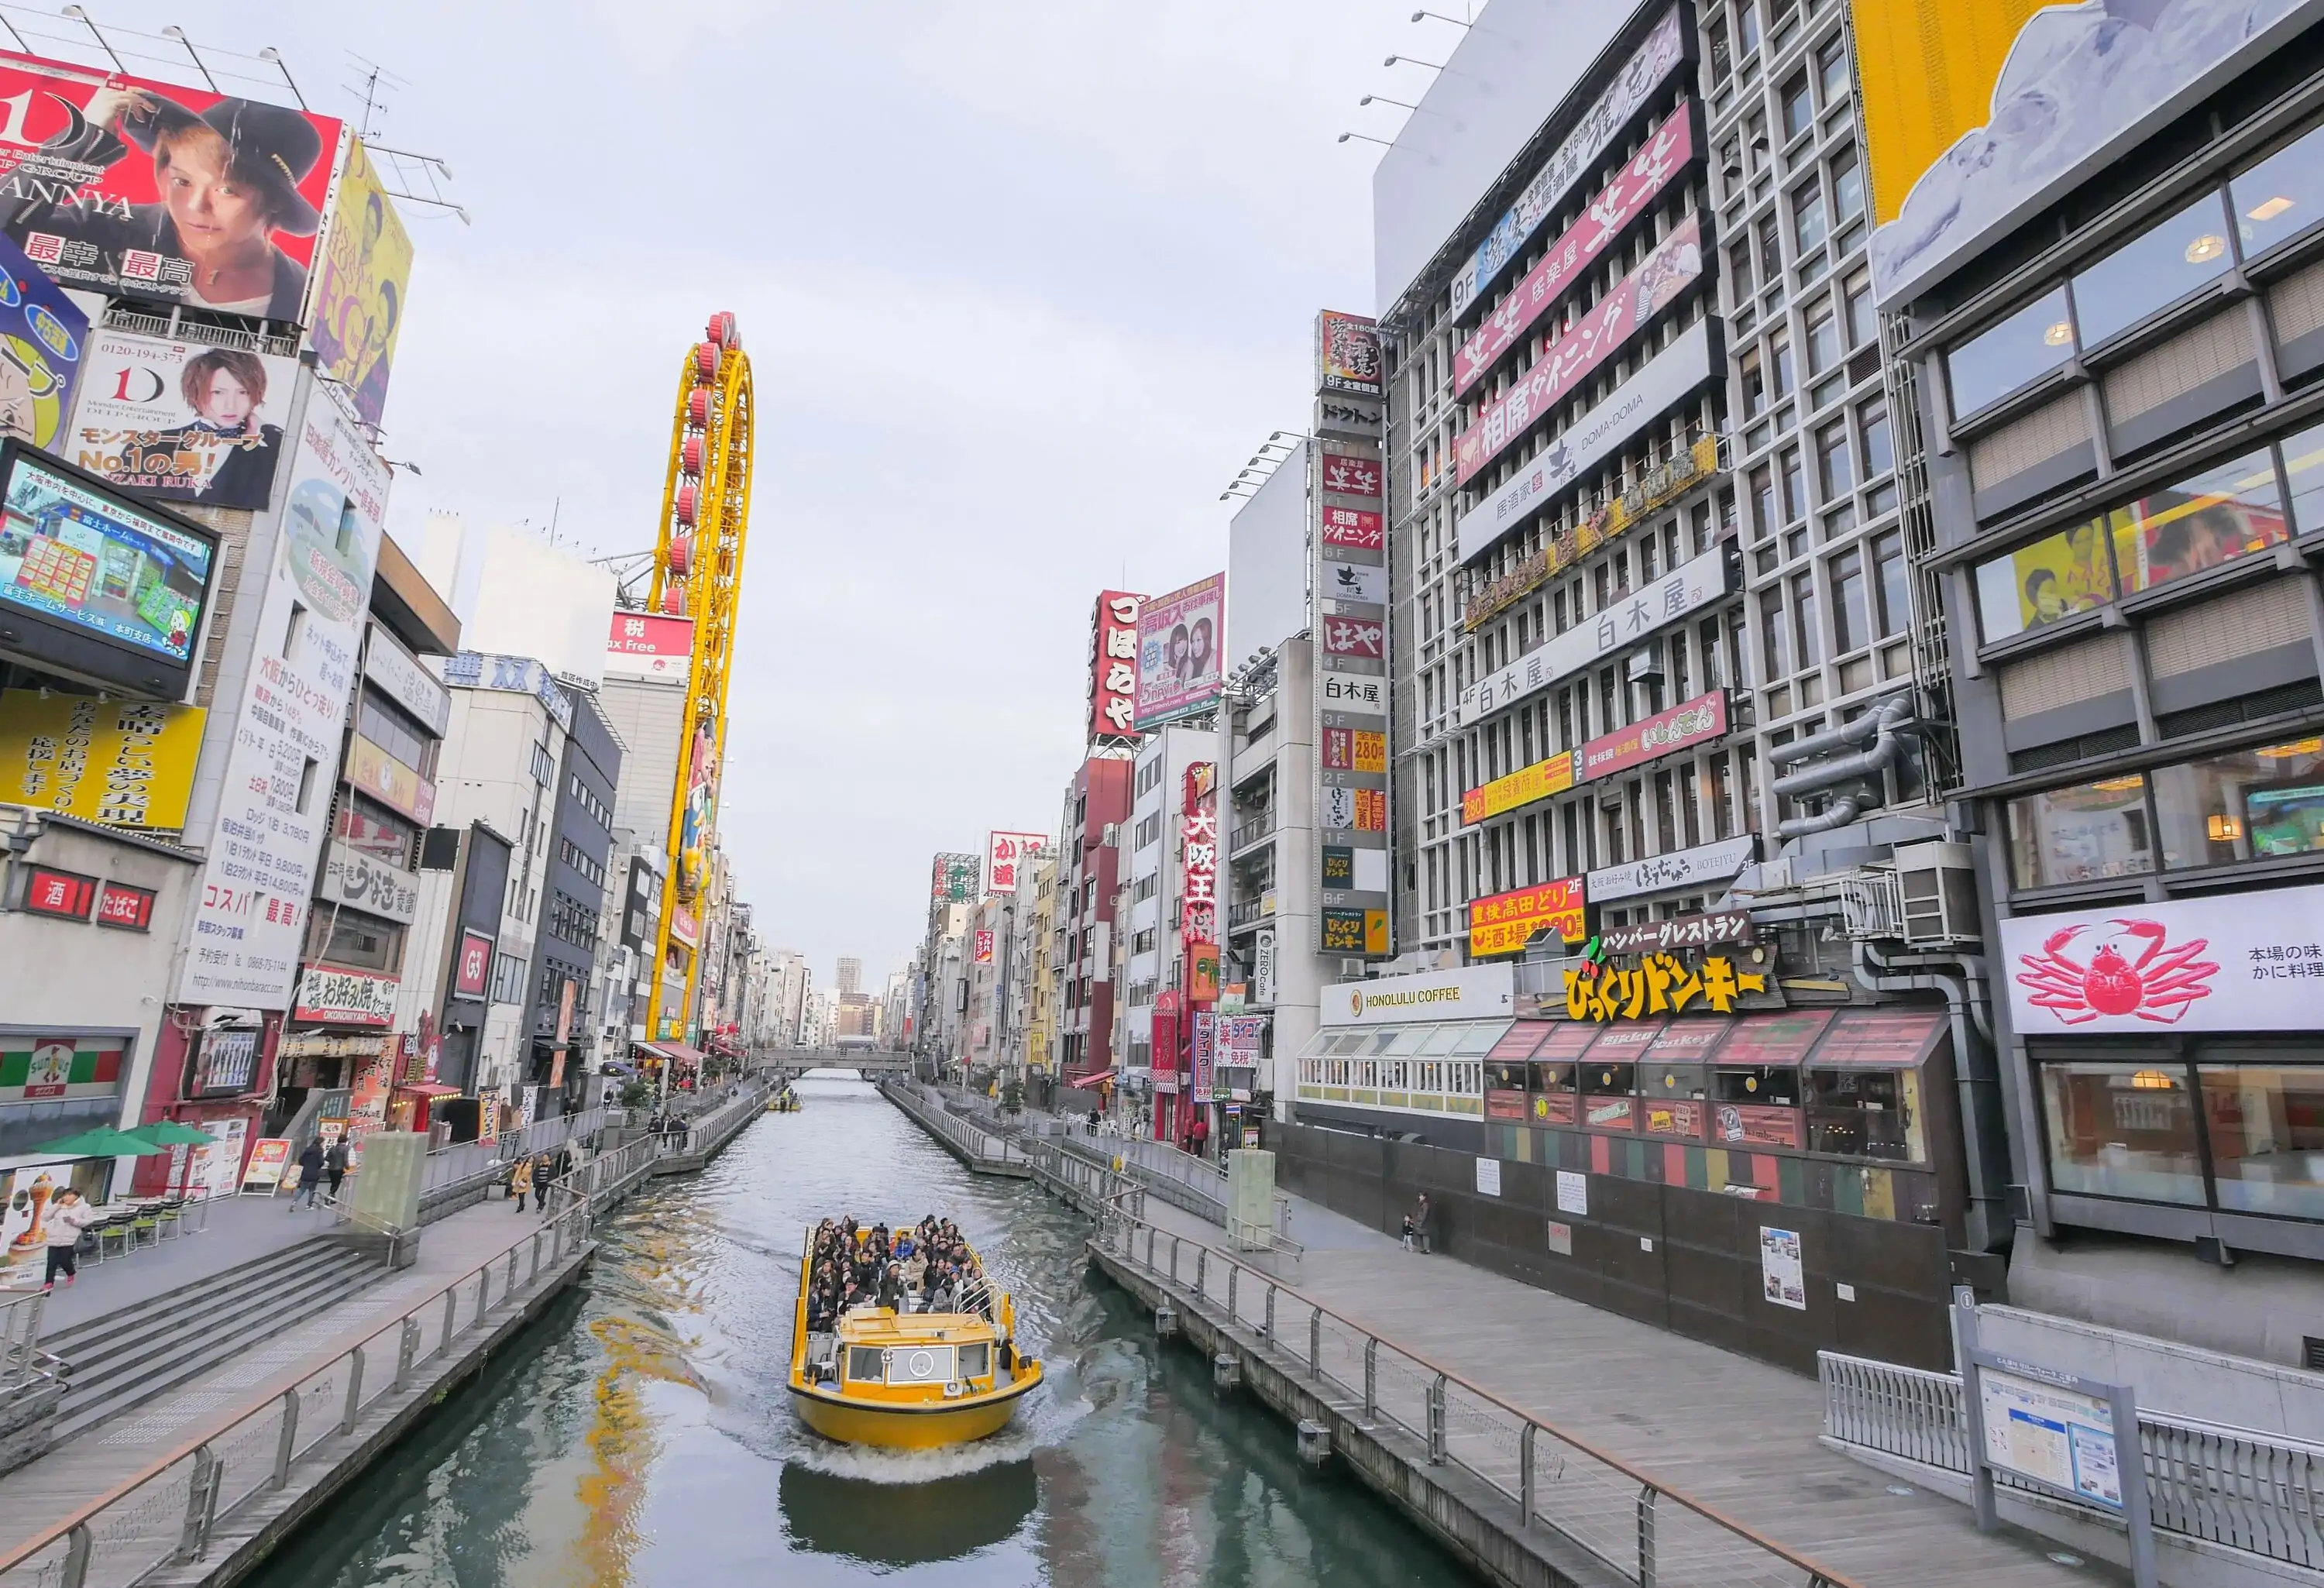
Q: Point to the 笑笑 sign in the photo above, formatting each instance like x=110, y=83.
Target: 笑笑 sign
x=1504, y=923
x=1474, y=992
x=2232, y=961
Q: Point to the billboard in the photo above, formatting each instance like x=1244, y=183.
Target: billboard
x=1519, y=789
x=1977, y=113
x=130, y=587
x=127, y=763
x=1503, y=923
x=1180, y=648
x=1113, y=664
x=1347, y=353
x=1695, y=722
x=649, y=645
x=330, y=996
x=182, y=421
x=952, y=879
x=357, y=307
x=1005, y=855
x=250, y=909
x=43, y=340
x=136, y=188
x=1354, y=528
x=1686, y=589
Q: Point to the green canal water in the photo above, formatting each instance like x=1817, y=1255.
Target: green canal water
x=640, y=1435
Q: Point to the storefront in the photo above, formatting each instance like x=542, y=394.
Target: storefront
x=1406, y=1054
x=2173, y=1064
x=669, y=1065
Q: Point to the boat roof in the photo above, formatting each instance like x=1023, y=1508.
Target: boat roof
x=879, y=1326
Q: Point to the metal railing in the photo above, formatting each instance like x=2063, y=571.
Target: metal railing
x=1638, y=1528
x=448, y=1166
x=705, y=1128
x=2237, y=1487
x=166, y=1515
x=22, y=1361
x=973, y=1140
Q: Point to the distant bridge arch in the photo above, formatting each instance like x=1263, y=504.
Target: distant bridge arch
x=871, y=1062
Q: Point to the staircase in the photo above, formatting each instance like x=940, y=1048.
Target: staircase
x=149, y=1348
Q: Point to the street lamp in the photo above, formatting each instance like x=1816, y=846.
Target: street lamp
x=1411, y=60
x=1440, y=17
x=1367, y=138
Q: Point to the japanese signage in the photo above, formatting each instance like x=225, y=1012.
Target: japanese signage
x=226, y=1062
x=1205, y=1056
x=1668, y=150
x=1347, y=353
x=1354, y=750
x=1661, y=984
x=1686, y=589
x=1782, y=1277
x=1239, y=1035
x=1671, y=376
x=35, y=1069
x=126, y=763
x=49, y=891
x=2230, y=962
x=43, y=338
x=983, y=945
x=250, y=909
x=1181, y=640
x=1697, y=722
x=330, y=996
x=388, y=780
x=1344, y=474
x=1006, y=858
x=1687, y=931
x=1356, y=636
x=1684, y=868
x=400, y=677
x=1473, y=993
x=1569, y=162
x=650, y=645
x=1519, y=789
x=369, y=884
x=124, y=908
x=1355, y=581
x=1198, y=857
x=952, y=879
x=1355, y=931
x=512, y=675
x=182, y=421
x=98, y=166
x=1202, y=973
x=1674, y=265
x=1113, y=664
x=1262, y=968
x=357, y=308
x=471, y=967
x=1503, y=923
x=1354, y=528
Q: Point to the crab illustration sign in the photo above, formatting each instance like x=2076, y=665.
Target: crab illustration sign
x=2238, y=962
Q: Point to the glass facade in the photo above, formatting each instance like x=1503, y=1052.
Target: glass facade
x=2128, y=1127
x=2084, y=834
x=2246, y=804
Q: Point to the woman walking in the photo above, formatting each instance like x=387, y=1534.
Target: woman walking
x=521, y=1182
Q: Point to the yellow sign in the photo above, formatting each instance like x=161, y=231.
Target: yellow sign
x=1926, y=73
x=1522, y=787
x=127, y=763
x=1661, y=984
x=359, y=286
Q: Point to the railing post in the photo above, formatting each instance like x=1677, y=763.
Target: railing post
x=1371, y=1377
x=407, y=1348
x=533, y=1272
x=1201, y=1265
x=1315, y=1341
x=1646, y=1535
x=507, y=1280
x=290, y=1440
x=1234, y=1272
x=451, y=1317
x=1436, y=1436
x=79, y=1545
x=354, y=1392
x=1526, y=1475
x=1266, y=1324
x=201, y=1505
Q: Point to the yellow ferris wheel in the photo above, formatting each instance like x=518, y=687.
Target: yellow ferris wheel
x=698, y=574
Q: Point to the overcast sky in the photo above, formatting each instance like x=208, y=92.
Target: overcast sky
x=1024, y=284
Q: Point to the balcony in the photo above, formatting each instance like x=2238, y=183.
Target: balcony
x=1251, y=911
x=1257, y=829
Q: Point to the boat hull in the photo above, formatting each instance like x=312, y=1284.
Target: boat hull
x=852, y=1421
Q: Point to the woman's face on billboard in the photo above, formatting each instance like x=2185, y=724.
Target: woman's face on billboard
x=225, y=401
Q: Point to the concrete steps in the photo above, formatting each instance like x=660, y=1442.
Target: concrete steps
x=129, y=1356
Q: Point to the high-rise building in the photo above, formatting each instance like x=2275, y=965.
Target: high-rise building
x=851, y=974
x=1095, y=825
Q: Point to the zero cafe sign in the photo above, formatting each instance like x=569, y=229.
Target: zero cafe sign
x=2233, y=962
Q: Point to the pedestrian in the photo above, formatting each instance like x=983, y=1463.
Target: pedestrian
x=1202, y=1133
x=334, y=1167
x=1416, y=1225
x=521, y=1182
x=544, y=1176
x=67, y=1217
x=310, y=1175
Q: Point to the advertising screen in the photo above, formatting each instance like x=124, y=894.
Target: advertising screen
x=180, y=421
x=1180, y=643
x=144, y=190
x=87, y=561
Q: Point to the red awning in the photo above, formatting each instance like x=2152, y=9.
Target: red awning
x=675, y=1052
x=1091, y=1079
x=430, y=1089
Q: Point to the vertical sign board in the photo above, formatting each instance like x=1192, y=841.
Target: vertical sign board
x=1348, y=577
x=2054, y=1430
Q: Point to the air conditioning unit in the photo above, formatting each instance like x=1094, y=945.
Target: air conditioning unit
x=1938, y=884
x=1644, y=665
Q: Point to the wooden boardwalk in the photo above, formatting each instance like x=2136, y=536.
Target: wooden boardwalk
x=35, y=1494
x=1737, y=1434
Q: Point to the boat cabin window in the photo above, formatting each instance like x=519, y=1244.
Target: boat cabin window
x=866, y=1364
x=975, y=1360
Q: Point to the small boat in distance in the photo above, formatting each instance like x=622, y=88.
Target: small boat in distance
x=786, y=1101
x=909, y=1379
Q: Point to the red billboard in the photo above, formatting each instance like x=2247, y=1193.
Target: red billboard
x=1695, y=722
x=145, y=189
x=1352, y=526
x=1114, y=665
x=1669, y=149
x=1356, y=636
x=1352, y=476
x=649, y=645
x=472, y=972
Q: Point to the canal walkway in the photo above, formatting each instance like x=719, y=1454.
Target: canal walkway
x=1731, y=1433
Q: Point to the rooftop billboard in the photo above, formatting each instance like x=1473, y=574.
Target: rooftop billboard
x=1180, y=643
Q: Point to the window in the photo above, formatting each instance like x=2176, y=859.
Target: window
x=1810, y=224
x=2053, y=579
x=1804, y=634
x=1824, y=339
x=2161, y=266
x=2083, y=834
x=2280, y=196
x=1851, y=618
x=1774, y=650
x=1889, y=574
x=2121, y=1129
x=2266, y=1126
x=1795, y=493
x=1867, y=1114
x=1798, y=106
x=1721, y=61
x=1738, y=265
x=1832, y=68
x=375, y=830
x=1847, y=186
x=866, y=1364
x=2209, y=517
x=2020, y=350
x=1780, y=368
x=1879, y=448
x=341, y=937
x=1763, y=501
x=1755, y=386
x=1771, y=249
x=1833, y=474
x=2249, y=805
x=2303, y=465
x=1746, y=25
x=393, y=731
x=1856, y=303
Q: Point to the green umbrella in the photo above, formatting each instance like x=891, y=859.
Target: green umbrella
x=171, y=1134
x=101, y=1142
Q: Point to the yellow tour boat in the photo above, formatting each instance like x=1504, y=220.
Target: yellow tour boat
x=908, y=1381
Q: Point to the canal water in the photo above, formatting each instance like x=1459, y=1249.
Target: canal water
x=640, y=1434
